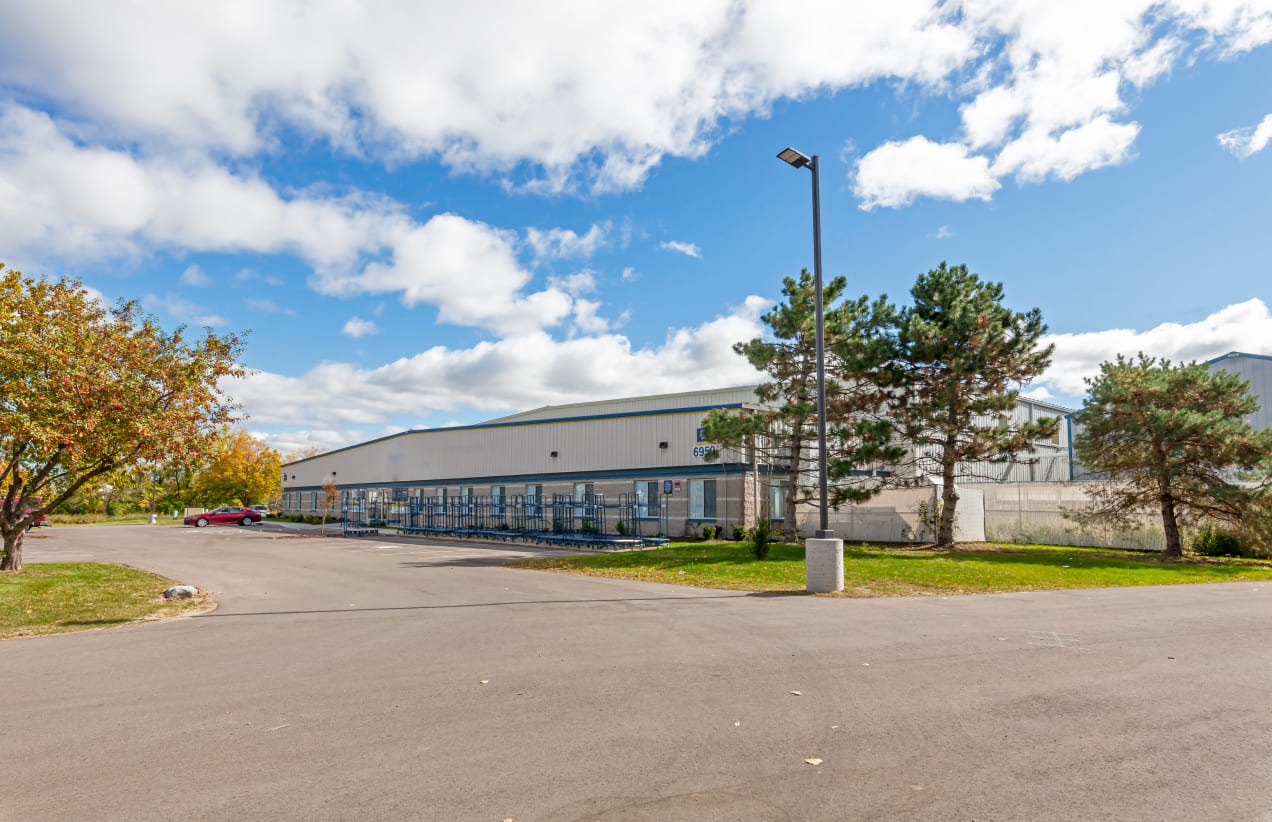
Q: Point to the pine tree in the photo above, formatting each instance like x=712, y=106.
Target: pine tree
x=784, y=434
x=944, y=367
x=1171, y=438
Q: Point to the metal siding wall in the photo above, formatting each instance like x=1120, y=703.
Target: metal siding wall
x=623, y=443
x=1259, y=372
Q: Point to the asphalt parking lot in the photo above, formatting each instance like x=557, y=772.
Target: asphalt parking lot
x=403, y=679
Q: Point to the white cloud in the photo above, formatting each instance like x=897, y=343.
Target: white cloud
x=575, y=90
x=94, y=203
x=267, y=306
x=1248, y=141
x=630, y=275
x=585, y=318
x=1245, y=327
x=1037, y=155
x=688, y=249
x=183, y=310
x=562, y=243
x=581, y=282
x=516, y=373
x=469, y=270
x=193, y=275
x=942, y=233
x=356, y=327
x=895, y=173
x=579, y=89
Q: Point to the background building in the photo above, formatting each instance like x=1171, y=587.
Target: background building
x=1257, y=368
x=646, y=450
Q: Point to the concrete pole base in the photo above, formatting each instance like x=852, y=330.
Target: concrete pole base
x=152, y=518
x=824, y=565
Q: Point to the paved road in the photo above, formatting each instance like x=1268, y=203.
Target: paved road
x=341, y=679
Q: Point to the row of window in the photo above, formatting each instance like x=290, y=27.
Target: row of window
x=702, y=497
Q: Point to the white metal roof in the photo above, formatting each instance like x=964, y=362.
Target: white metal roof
x=742, y=394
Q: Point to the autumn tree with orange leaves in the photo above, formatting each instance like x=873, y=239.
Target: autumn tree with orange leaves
x=85, y=390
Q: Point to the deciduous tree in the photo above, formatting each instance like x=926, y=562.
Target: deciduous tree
x=330, y=496
x=85, y=390
x=242, y=470
x=1170, y=438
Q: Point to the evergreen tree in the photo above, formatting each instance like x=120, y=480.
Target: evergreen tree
x=1170, y=437
x=946, y=366
x=784, y=434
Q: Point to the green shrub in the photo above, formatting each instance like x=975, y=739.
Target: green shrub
x=761, y=539
x=620, y=528
x=1216, y=542
x=739, y=533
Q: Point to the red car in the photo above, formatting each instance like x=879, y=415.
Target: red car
x=31, y=505
x=224, y=516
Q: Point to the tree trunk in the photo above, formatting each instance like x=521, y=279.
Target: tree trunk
x=12, y=552
x=792, y=491
x=1174, y=545
x=949, y=502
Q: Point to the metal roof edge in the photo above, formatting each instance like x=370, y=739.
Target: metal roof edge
x=1232, y=354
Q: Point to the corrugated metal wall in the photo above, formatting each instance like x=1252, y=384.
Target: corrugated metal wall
x=424, y=457
x=1258, y=370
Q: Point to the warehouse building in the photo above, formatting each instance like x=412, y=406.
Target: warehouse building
x=1257, y=368
x=646, y=454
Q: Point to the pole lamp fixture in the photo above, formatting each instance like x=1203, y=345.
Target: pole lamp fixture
x=798, y=159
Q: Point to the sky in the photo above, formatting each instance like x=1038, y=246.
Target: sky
x=434, y=214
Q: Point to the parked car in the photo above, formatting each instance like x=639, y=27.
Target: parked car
x=43, y=521
x=224, y=515
x=263, y=510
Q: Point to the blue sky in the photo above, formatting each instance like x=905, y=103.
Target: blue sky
x=430, y=216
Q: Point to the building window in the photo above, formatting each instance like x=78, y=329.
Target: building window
x=647, y=502
x=465, y=499
x=534, y=498
x=441, y=496
x=777, y=500
x=496, y=500
x=702, y=499
x=313, y=500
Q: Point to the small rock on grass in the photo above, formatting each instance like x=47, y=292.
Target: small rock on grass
x=180, y=592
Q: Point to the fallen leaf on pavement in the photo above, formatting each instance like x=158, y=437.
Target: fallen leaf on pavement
x=797, y=693
x=485, y=682
x=813, y=761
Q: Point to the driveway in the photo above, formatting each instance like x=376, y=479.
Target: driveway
x=401, y=679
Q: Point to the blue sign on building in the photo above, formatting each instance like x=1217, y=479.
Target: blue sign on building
x=667, y=487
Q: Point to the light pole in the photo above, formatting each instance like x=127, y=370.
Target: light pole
x=799, y=160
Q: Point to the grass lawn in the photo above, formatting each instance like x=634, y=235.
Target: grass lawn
x=874, y=570
x=52, y=598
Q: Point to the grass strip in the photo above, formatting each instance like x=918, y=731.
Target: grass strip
x=878, y=570
x=56, y=597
